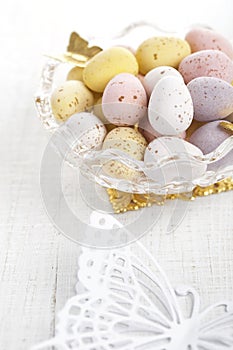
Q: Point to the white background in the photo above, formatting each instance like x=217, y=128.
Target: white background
x=38, y=265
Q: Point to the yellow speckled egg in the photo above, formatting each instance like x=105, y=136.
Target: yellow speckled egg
x=161, y=51
x=76, y=73
x=127, y=140
x=106, y=64
x=98, y=111
x=70, y=98
x=97, y=96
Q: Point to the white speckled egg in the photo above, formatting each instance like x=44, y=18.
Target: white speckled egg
x=127, y=140
x=170, y=108
x=124, y=100
x=156, y=74
x=176, y=170
x=83, y=132
x=149, y=133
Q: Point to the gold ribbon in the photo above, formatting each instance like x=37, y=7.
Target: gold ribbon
x=123, y=202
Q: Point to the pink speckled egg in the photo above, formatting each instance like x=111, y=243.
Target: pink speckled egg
x=207, y=63
x=206, y=39
x=208, y=137
x=124, y=100
x=212, y=98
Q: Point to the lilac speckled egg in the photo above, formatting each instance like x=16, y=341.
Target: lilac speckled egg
x=156, y=74
x=208, y=137
x=170, y=109
x=207, y=63
x=206, y=39
x=177, y=169
x=124, y=100
x=212, y=98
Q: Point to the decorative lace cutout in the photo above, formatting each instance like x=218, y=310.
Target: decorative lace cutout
x=123, y=304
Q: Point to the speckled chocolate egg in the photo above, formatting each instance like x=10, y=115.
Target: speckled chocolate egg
x=149, y=133
x=82, y=131
x=170, y=108
x=76, y=73
x=193, y=127
x=127, y=140
x=70, y=98
x=141, y=78
x=154, y=75
x=212, y=98
x=146, y=129
x=98, y=111
x=101, y=68
x=207, y=63
x=176, y=170
x=230, y=118
x=206, y=39
x=208, y=137
x=161, y=51
x=124, y=100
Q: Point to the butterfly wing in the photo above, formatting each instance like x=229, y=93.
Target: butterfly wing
x=143, y=304
x=122, y=305
x=125, y=305
x=78, y=45
x=216, y=327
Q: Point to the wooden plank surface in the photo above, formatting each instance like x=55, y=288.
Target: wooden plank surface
x=37, y=264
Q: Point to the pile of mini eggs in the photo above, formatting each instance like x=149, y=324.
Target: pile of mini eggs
x=176, y=92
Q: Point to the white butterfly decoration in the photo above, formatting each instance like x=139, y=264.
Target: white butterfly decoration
x=126, y=305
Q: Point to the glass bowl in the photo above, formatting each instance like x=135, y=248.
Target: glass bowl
x=91, y=162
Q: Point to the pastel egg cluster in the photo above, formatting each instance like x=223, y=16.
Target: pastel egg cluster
x=166, y=98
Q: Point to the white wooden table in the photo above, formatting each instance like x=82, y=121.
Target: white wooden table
x=37, y=264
